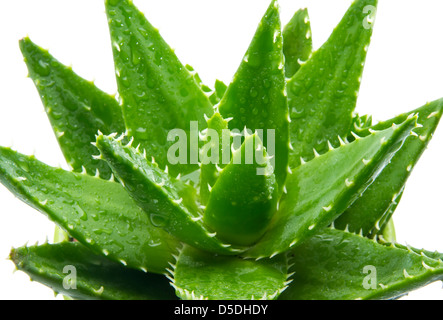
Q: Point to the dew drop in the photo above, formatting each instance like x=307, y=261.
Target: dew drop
x=125, y=81
x=153, y=243
x=101, y=231
x=158, y=220
x=43, y=68
x=184, y=92
x=253, y=92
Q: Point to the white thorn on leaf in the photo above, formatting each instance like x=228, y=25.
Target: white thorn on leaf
x=433, y=114
x=342, y=143
x=426, y=266
x=273, y=255
x=356, y=136
x=349, y=183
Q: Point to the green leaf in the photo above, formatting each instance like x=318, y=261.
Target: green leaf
x=71, y=269
x=215, y=154
x=201, y=275
x=198, y=80
x=168, y=202
x=422, y=252
x=217, y=94
x=96, y=212
x=323, y=93
x=360, y=122
x=75, y=108
x=320, y=190
x=244, y=198
x=158, y=93
x=388, y=231
x=374, y=208
x=297, y=42
x=337, y=265
x=256, y=98
x=220, y=88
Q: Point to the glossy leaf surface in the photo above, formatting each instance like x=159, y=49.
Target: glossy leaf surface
x=323, y=93
x=158, y=93
x=200, y=275
x=73, y=270
x=98, y=213
x=337, y=265
x=75, y=107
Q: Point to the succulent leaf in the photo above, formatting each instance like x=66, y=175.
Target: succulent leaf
x=422, y=252
x=323, y=93
x=276, y=175
x=238, y=219
x=215, y=154
x=337, y=265
x=370, y=212
x=158, y=93
x=75, y=108
x=361, y=122
x=388, y=230
x=69, y=268
x=168, y=202
x=297, y=42
x=256, y=98
x=320, y=190
x=201, y=275
x=96, y=212
x=220, y=88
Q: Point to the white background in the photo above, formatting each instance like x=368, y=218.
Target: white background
x=403, y=71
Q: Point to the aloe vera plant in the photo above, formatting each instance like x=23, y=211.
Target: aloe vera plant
x=307, y=216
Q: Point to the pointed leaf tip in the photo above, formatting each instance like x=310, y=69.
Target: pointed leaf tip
x=75, y=107
x=244, y=198
x=258, y=89
x=158, y=92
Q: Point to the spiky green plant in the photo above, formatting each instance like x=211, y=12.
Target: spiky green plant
x=308, y=216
